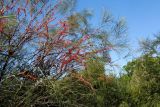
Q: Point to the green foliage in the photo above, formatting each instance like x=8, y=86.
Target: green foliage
x=151, y=45
x=88, y=88
x=69, y=92
x=108, y=92
x=144, y=80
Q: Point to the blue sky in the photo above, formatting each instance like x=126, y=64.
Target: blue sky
x=142, y=16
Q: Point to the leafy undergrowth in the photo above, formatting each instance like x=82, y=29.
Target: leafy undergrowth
x=84, y=89
x=88, y=88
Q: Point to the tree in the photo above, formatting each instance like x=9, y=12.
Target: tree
x=45, y=40
x=43, y=46
x=151, y=45
x=32, y=20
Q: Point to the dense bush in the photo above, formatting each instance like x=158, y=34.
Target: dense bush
x=89, y=88
x=144, y=81
x=85, y=89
